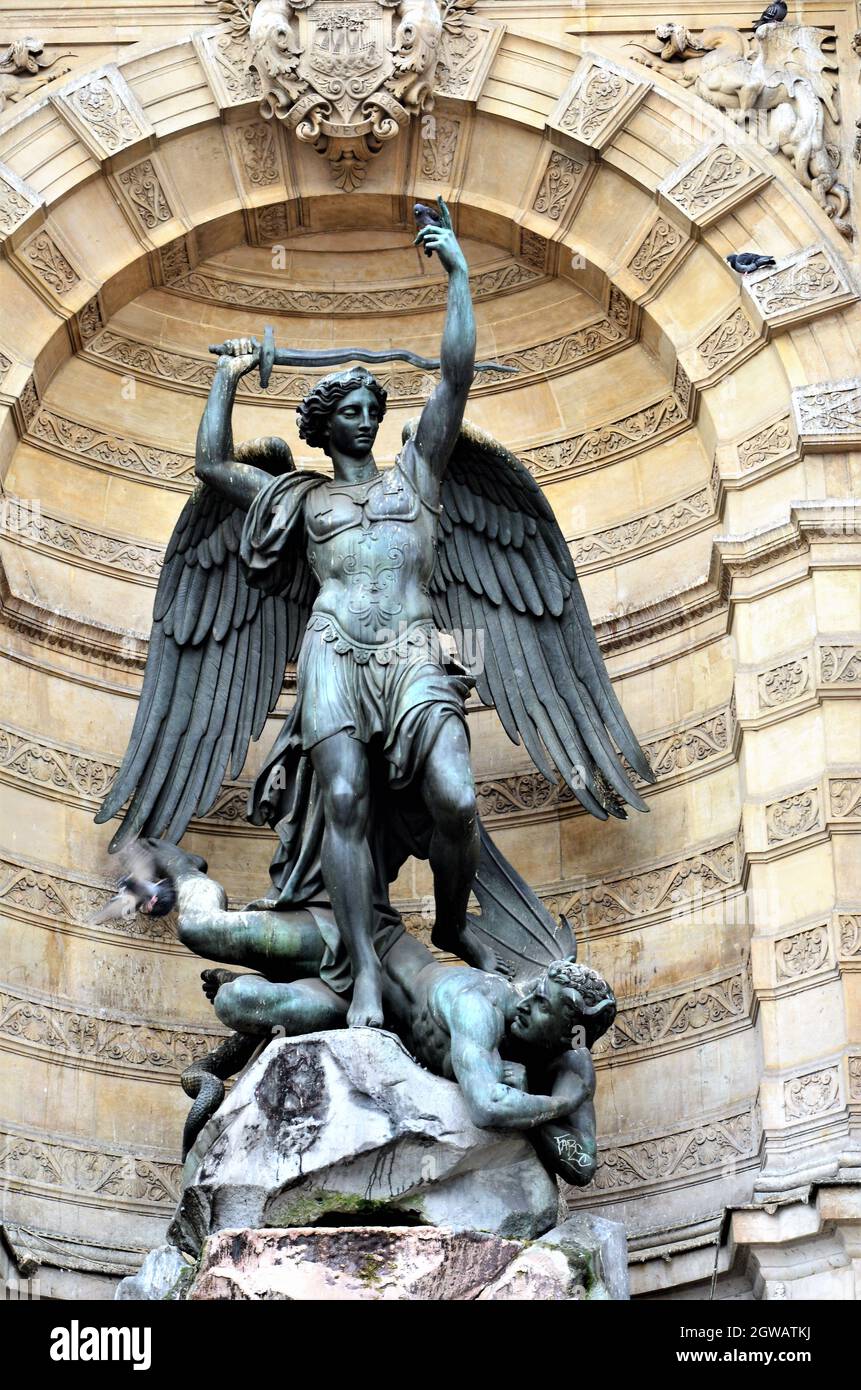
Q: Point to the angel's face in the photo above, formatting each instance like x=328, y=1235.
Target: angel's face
x=545, y=1018
x=354, y=423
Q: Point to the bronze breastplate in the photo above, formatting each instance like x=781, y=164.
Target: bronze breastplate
x=335, y=507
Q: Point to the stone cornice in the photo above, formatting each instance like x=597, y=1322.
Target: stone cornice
x=675, y=1157
x=138, y=1179
x=239, y=290
x=190, y=373
x=667, y=1021
x=651, y=424
x=44, y=1026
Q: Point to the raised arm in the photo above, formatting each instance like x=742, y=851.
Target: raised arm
x=214, y=454
x=441, y=418
x=476, y=1027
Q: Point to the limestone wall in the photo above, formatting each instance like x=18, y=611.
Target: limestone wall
x=700, y=441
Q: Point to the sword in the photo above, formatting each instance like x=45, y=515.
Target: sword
x=271, y=356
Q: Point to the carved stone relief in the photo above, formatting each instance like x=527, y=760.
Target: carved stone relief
x=779, y=84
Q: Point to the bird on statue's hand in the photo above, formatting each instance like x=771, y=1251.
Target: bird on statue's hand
x=744, y=262
x=772, y=14
x=141, y=888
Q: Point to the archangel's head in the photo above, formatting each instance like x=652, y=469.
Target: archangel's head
x=342, y=413
x=570, y=1005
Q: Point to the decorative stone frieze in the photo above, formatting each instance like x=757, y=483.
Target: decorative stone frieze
x=844, y=797
x=667, y=889
x=202, y=284
x=712, y=182
x=101, y=1174
x=828, y=414
x=561, y=186
x=672, y=1158
x=142, y=193
x=773, y=443
x=644, y=532
x=840, y=664
x=784, y=683
x=103, y=111
x=438, y=148
x=793, y=816
x=109, y=1042
x=467, y=49
x=83, y=545
x=802, y=953
x=18, y=202
x=658, y=252
x=812, y=1094
x=598, y=102
x=799, y=287
x=52, y=897
x=591, y=449
x=254, y=146
x=725, y=346
x=589, y=343
x=47, y=263
x=664, y=1021
x=109, y=452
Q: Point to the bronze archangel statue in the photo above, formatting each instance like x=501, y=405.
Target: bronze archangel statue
x=354, y=576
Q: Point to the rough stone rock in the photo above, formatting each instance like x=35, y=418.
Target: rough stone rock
x=586, y=1257
x=165, y=1275
x=380, y=1263
x=390, y=1263
x=345, y=1128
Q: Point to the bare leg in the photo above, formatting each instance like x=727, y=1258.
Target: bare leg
x=250, y=1004
x=284, y=945
x=341, y=765
x=449, y=794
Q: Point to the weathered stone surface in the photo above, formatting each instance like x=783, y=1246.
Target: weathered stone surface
x=165, y=1275
x=345, y=1127
x=380, y=1263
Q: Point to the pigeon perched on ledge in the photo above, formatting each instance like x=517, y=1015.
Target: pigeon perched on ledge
x=773, y=14
x=744, y=262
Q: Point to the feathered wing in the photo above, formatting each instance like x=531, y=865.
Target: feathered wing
x=503, y=570
x=215, y=666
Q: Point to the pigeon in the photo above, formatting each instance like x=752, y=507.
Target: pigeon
x=426, y=217
x=743, y=262
x=139, y=889
x=772, y=14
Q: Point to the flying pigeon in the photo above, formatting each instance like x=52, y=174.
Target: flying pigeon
x=772, y=14
x=139, y=890
x=744, y=262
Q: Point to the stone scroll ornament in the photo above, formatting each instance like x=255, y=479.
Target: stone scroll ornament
x=780, y=83
x=396, y=591
x=347, y=77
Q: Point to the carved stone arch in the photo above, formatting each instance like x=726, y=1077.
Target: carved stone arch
x=674, y=448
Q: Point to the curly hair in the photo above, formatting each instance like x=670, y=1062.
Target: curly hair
x=592, y=989
x=313, y=414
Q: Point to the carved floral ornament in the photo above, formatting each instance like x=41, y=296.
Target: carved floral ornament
x=344, y=77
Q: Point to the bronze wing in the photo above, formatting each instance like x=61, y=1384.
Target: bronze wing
x=503, y=570
x=217, y=653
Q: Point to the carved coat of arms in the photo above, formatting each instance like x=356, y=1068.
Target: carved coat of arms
x=344, y=76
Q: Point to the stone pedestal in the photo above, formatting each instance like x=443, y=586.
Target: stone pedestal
x=338, y=1168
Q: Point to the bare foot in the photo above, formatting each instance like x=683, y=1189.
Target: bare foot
x=465, y=943
x=366, y=1010
x=213, y=980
